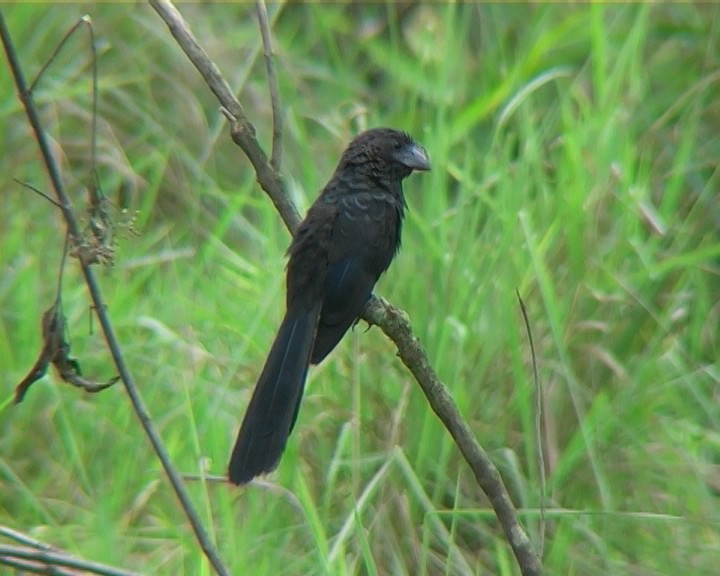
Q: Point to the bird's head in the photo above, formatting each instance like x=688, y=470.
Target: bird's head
x=386, y=152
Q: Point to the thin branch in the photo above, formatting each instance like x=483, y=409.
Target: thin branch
x=61, y=271
x=538, y=428
x=43, y=561
x=37, y=191
x=99, y=220
x=25, y=539
x=97, y=246
x=41, y=558
x=55, y=53
x=100, y=309
x=393, y=322
x=87, y=21
x=95, y=186
x=30, y=567
x=276, y=155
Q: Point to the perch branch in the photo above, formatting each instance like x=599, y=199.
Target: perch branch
x=393, y=322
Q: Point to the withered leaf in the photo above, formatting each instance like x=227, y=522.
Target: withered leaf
x=52, y=331
x=56, y=351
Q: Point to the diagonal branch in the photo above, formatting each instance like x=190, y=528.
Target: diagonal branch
x=39, y=558
x=99, y=305
x=393, y=322
x=396, y=325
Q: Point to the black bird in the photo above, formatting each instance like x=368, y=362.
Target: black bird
x=347, y=240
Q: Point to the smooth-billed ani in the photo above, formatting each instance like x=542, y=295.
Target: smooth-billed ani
x=347, y=240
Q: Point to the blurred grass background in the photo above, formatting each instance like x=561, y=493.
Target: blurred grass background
x=575, y=156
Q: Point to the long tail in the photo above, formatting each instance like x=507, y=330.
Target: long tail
x=275, y=402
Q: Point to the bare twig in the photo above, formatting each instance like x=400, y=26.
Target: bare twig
x=100, y=223
x=87, y=22
x=393, y=322
x=95, y=185
x=276, y=154
x=100, y=309
x=25, y=539
x=60, y=46
x=41, y=558
x=41, y=561
x=37, y=191
x=97, y=246
x=538, y=429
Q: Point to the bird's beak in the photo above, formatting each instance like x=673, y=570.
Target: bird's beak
x=414, y=157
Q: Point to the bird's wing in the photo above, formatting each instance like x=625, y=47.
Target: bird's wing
x=363, y=242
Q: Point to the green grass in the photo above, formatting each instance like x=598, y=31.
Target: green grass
x=574, y=155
